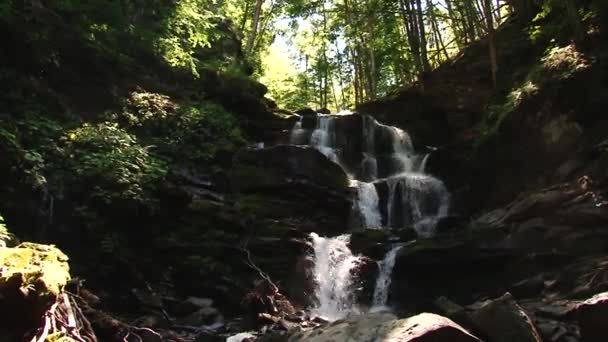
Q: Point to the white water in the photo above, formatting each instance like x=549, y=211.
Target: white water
x=413, y=198
x=383, y=283
x=367, y=203
x=240, y=337
x=333, y=271
x=297, y=134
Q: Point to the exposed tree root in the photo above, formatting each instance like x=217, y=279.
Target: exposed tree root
x=65, y=319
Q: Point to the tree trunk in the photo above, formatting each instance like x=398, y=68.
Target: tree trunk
x=575, y=21
x=423, y=44
x=491, y=42
x=255, y=23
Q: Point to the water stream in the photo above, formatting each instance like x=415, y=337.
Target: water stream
x=393, y=189
x=383, y=283
x=334, y=273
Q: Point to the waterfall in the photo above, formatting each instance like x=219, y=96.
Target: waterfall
x=376, y=156
x=367, y=202
x=383, y=283
x=297, y=136
x=323, y=137
x=418, y=200
x=333, y=271
x=423, y=163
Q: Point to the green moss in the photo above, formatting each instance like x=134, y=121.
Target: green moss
x=557, y=65
x=34, y=266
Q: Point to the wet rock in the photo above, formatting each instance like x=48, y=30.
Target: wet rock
x=204, y=316
x=503, y=320
x=591, y=315
x=451, y=310
x=384, y=327
x=557, y=331
x=529, y=287
x=192, y=304
x=282, y=166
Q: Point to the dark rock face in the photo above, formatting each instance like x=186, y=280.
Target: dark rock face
x=282, y=166
x=384, y=327
x=503, y=320
x=591, y=315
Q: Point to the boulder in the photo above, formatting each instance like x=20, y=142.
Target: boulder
x=385, y=327
x=282, y=166
x=31, y=277
x=592, y=315
x=503, y=320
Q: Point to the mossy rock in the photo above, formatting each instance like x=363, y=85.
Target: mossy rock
x=31, y=277
x=42, y=266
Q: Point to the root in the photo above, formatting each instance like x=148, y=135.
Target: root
x=64, y=318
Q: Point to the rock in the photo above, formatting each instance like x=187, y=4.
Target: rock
x=192, y=304
x=283, y=166
x=591, y=315
x=452, y=311
x=31, y=277
x=529, y=287
x=557, y=331
x=204, y=316
x=209, y=337
x=503, y=320
x=384, y=327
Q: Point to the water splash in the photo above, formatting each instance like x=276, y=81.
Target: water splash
x=412, y=199
x=418, y=200
x=297, y=135
x=333, y=271
x=383, y=283
x=367, y=202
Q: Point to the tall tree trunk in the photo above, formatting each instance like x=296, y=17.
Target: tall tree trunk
x=255, y=23
x=436, y=29
x=491, y=42
x=575, y=21
x=423, y=44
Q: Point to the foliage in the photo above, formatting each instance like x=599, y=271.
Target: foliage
x=556, y=65
x=110, y=163
x=188, y=28
x=188, y=132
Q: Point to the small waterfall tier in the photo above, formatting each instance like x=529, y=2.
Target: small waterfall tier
x=334, y=271
x=393, y=189
x=383, y=283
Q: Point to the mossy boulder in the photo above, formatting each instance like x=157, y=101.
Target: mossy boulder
x=31, y=277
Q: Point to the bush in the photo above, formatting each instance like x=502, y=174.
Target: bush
x=107, y=163
x=190, y=132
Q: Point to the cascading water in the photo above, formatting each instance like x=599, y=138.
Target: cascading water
x=392, y=188
x=367, y=203
x=333, y=271
x=383, y=283
x=323, y=137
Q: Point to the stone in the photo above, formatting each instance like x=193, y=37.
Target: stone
x=592, y=315
x=451, y=310
x=31, y=278
x=503, y=320
x=385, y=327
x=283, y=166
x=192, y=304
x=204, y=316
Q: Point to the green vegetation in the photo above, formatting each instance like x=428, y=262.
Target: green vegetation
x=558, y=64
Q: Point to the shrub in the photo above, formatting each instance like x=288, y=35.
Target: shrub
x=109, y=164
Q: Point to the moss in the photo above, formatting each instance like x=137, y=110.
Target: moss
x=30, y=266
x=59, y=337
x=557, y=65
